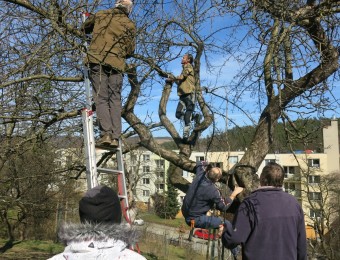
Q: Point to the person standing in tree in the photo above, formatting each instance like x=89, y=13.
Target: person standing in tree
x=113, y=40
x=185, y=91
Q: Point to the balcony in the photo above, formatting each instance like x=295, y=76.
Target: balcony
x=159, y=180
x=293, y=177
x=295, y=193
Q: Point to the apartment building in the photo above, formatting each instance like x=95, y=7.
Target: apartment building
x=147, y=173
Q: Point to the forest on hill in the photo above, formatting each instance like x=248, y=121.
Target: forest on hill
x=302, y=134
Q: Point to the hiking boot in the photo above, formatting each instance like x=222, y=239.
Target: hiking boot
x=196, y=118
x=180, y=116
x=114, y=143
x=105, y=140
x=186, y=131
x=192, y=118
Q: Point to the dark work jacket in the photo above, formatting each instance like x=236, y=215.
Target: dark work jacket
x=270, y=225
x=202, y=195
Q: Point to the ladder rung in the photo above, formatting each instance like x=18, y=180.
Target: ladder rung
x=104, y=170
x=108, y=148
x=122, y=196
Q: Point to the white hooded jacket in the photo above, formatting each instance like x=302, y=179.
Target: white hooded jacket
x=97, y=241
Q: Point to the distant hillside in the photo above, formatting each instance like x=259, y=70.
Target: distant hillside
x=306, y=136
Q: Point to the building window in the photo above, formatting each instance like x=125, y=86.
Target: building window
x=134, y=169
x=146, y=181
x=146, y=168
x=315, y=163
x=266, y=161
x=315, y=213
x=181, y=198
x=161, y=186
x=199, y=158
x=314, y=195
x=185, y=174
x=146, y=193
x=289, y=187
x=314, y=179
x=146, y=157
x=133, y=157
x=233, y=159
x=217, y=164
x=160, y=164
x=289, y=170
x=160, y=174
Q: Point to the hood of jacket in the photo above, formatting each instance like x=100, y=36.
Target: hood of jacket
x=71, y=233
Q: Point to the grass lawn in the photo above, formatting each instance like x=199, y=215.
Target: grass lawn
x=152, y=218
x=29, y=249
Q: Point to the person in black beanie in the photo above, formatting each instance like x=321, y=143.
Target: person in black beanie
x=100, y=205
x=100, y=235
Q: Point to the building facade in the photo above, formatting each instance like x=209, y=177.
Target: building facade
x=147, y=173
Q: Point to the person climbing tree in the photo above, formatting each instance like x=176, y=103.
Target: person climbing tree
x=185, y=91
x=203, y=194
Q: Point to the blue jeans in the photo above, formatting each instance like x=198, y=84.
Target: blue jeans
x=206, y=222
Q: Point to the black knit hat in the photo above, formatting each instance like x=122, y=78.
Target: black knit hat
x=100, y=205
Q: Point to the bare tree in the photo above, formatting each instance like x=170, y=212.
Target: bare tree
x=323, y=201
x=26, y=195
x=288, y=52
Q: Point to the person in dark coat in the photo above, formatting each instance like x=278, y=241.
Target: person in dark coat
x=269, y=224
x=203, y=194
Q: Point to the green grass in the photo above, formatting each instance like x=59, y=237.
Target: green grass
x=158, y=250
x=152, y=218
x=30, y=249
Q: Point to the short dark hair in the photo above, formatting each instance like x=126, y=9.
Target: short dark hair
x=272, y=175
x=190, y=57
